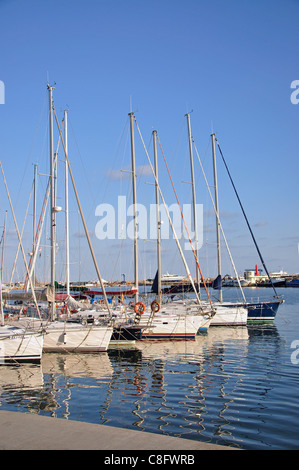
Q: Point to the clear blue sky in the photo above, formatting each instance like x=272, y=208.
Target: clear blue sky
x=230, y=62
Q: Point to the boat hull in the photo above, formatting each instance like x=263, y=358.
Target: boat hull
x=61, y=337
x=126, y=333
x=263, y=311
x=70, y=337
x=175, y=327
x=20, y=345
x=260, y=311
x=229, y=316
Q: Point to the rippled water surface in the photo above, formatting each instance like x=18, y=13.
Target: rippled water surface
x=236, y=386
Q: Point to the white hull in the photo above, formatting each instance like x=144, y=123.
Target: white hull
x=19, y=345
x=169, y=326
x=201, y=314
x=72, y=337
x=60, y=337
x=175, y=320
x=226, y=316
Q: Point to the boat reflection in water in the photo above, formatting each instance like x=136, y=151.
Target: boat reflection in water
x=25, y=377
x=168, y=386
x=199, y=389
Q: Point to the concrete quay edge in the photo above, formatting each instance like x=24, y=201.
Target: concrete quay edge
x=27, y=431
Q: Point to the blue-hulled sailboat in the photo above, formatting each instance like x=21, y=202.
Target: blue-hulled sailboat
x=260, y=310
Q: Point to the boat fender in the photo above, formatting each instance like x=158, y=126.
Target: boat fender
x=139, y=308
x=155, y=306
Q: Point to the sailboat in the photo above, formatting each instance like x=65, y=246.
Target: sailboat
x=257, y=310
x=235, y=315
x=61, y=336
x=18, y=344
x=222, y=315
x=173, y=320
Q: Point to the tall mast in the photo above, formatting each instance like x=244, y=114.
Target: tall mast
x=3, y=244
x=83, y=219
x=217, y=213
x=193, y=200
x=1, y=303
x=20, y=242
x=134, y=205
x=34, y=217
x=52, y=205
x=1, y=273
x=158, y=216
x=67, y=252
x=170, y=222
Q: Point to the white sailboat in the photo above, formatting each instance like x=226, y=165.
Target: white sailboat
x=224, y=315
x=173, y=320
x=221, y=315
x=61, y=336
x=236, y=315
x=18, y=344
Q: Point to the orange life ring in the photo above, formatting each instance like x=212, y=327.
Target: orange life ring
x=63, y=310
x=139, y=308
x=155, y=306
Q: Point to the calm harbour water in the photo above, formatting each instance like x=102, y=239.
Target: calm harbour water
x=236, y=386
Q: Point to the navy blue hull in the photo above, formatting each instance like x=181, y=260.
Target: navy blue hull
x=260, y=311
x=263, y=311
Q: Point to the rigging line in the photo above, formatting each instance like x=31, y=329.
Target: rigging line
x=104, y=179
x=83, y=166
x=30, y=154
x=254, y=240
x=37, y=235
x=20, y=241
x=220, y=225
x=38, y=231
x=190, y=241
x=17, y=252
x=125, y=137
